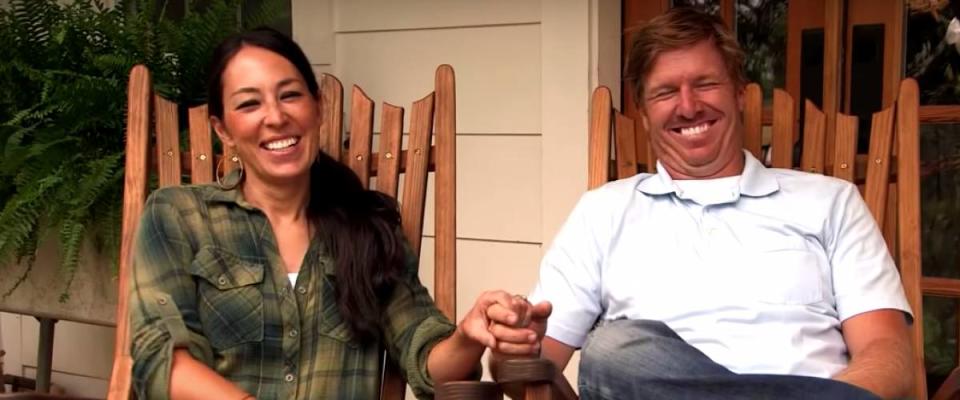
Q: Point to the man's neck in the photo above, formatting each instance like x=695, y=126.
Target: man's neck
x=732, y=168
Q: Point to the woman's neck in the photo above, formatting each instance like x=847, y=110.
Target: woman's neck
x=282, y=202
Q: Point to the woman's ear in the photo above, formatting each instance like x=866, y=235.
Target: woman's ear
x=221, y=131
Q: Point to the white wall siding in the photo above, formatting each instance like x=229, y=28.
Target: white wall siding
x=357, y=15
x=497, y=72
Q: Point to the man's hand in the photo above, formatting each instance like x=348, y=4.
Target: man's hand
x=519, y=328
x=505, y=323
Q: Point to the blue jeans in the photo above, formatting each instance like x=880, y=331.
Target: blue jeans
x=643, y=359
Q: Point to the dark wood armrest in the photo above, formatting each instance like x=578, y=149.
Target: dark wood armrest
x=950, y=389
x=469, y=390
x=526, y=370
x=534, y=375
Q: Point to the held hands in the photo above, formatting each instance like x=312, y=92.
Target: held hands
x=508, y=325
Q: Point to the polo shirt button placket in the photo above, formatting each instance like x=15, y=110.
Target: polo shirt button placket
x=710, y=232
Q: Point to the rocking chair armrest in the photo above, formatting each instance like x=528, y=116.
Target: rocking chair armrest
x=533, y=379
x=469, y=390
x=950, y=389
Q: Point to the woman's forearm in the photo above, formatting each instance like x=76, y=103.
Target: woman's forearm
x=190, y=379
x=454, y=358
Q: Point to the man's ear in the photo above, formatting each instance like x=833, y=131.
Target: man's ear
x=225, y=137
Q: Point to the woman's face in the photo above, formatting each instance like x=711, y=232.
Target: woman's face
x=270, y=119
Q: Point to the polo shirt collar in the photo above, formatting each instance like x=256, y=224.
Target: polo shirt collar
x=755, y=180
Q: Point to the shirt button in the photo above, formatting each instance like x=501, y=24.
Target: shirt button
x=162, y=301
x=294, y=333
x=222, y=280
x=289, y=378
x=302, y=290
x=283, y=291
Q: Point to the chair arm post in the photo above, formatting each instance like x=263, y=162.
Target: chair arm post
x=469, y=390
x=536, y=375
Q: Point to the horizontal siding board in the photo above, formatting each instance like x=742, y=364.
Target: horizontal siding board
x=497, y=71
x=353, y=15
x=498, y=189
x=79, y=349
x=312, y=22
x=482, y=266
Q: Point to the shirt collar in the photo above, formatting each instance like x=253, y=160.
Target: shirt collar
x=233, y=195
x=217, y=194
x=755, y=181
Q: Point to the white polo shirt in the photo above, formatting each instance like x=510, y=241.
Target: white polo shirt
x=756, y=271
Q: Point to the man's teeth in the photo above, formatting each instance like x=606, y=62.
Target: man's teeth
x=694, y=130
x=281, y=144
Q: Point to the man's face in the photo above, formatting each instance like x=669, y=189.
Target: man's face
x=692, y=108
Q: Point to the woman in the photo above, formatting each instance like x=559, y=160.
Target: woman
x=287, y=279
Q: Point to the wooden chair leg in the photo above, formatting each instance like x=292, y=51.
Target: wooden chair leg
x=469, y=390
x=3, y=385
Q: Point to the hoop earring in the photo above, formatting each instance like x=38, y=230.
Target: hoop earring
x=235, y=158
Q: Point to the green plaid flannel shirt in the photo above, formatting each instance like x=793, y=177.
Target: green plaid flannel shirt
x=208, y=277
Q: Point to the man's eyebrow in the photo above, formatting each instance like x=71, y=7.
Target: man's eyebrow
x=660, y=87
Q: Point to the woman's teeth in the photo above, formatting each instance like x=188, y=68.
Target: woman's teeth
x=281, y=144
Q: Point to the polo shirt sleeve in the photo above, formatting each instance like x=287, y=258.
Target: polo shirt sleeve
x=864, y=275
x=162, y=298
x=570, y=273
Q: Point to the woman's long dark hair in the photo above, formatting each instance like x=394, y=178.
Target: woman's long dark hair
x=360, y=228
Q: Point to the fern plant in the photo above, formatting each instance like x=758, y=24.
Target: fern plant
x=62, y=106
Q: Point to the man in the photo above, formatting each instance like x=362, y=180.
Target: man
x=717, y=277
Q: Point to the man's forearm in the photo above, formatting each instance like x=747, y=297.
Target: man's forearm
x=884, y=368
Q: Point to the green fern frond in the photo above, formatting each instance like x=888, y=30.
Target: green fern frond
x=22, y=277
x=267, y=13
x=94, y=178
x=63, y=75
x=19, y=218
x=71, y=238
